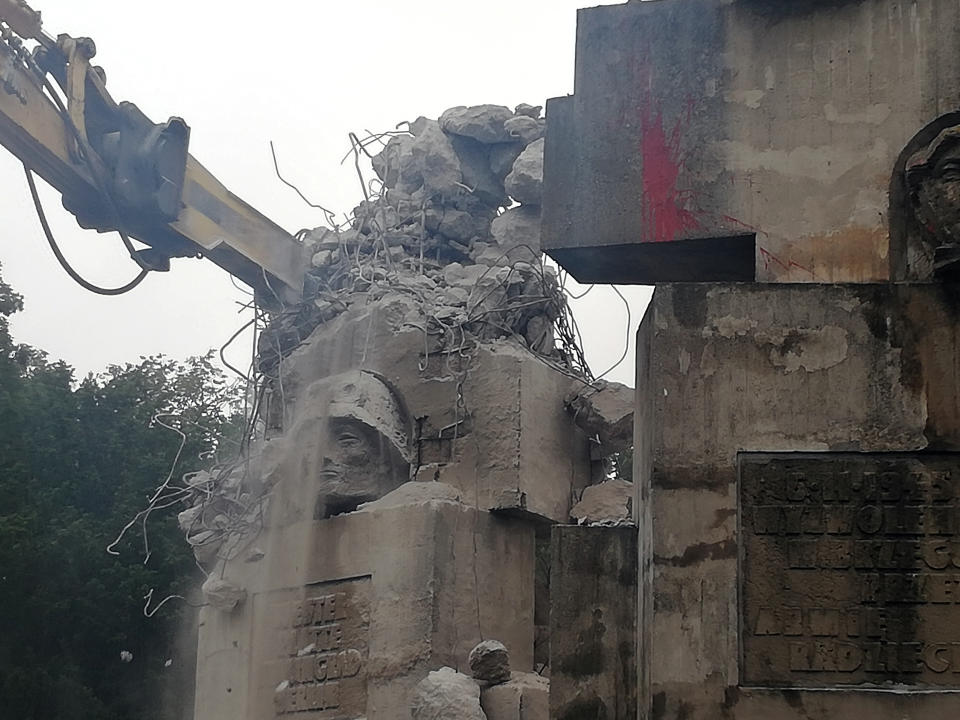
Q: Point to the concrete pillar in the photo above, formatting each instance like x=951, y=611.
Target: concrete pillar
x=593, y=623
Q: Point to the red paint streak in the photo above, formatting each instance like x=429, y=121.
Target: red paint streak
x=668, y=213
x=665, y=211
x=740, y=223
x=769, y=258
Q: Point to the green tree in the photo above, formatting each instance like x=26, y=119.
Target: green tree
x=77, y=462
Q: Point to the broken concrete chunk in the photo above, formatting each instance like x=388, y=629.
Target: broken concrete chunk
x=456, y=296
x=526, y=696
x=494, y=255
x=457, y=225
x=517, y=226
x=322, y=258
x=445, y=694
x=490, y=662
x=321, y=238
x=419, y=125
x=435, y=160
x=222, y=594
x=206, y=545
x=349, y=237
x=370, y=217
x=503, y=156
x=189, y=519
x=532, y=111
x=539, y=334
x=414, y=493
x=480, y=122
x=525, y=181
x=477, y=173
x=464, y=276
x=525, y=129
x=605, y=413
x=394, y=164
x=609, y=503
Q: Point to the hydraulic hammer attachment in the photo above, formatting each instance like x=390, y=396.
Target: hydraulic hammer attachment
x=118, y=170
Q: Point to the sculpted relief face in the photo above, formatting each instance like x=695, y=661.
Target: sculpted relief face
x=349, y=444
x=933, y=179
x=365, y=451
x=357, y=467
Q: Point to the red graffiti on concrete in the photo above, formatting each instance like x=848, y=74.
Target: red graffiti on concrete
x=770, y=259
x=666, y=211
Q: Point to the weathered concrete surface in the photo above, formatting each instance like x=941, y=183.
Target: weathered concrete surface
x=368, y=601
x=723, y=118
x=728, y=369
x=593, y=628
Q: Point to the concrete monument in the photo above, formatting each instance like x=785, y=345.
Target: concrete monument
x=415, y=438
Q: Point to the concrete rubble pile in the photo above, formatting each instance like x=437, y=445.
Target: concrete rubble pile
x=452, y=236
x=455, y=225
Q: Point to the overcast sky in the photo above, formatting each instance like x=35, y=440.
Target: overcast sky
x=302, y=74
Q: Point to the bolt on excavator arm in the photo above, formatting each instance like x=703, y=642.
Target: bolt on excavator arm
x=117, y=170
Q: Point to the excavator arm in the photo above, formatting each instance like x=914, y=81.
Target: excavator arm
x=118, y=170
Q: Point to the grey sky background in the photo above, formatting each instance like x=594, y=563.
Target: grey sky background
x=302, y=74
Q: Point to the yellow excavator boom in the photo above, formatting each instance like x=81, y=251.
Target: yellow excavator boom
x=117, y=170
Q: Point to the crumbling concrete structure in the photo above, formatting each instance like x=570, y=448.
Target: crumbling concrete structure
x=417, y=434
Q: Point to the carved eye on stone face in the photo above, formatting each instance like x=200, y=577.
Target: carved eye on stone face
x=348, y=440
x=353, y=442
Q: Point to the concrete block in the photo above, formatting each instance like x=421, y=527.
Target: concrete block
x=526, y=696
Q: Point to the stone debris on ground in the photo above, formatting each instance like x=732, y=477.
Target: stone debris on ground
x=490, y=662
x=446, y=694
x=608, y=503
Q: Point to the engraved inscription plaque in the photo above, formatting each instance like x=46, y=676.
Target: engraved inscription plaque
x=850, y=569
x=310, y=652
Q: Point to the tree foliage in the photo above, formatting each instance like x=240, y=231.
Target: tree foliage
x=77, y=461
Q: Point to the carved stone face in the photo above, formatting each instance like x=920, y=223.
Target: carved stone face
x=936, y=193
x=358, y=465
x=349, y=443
